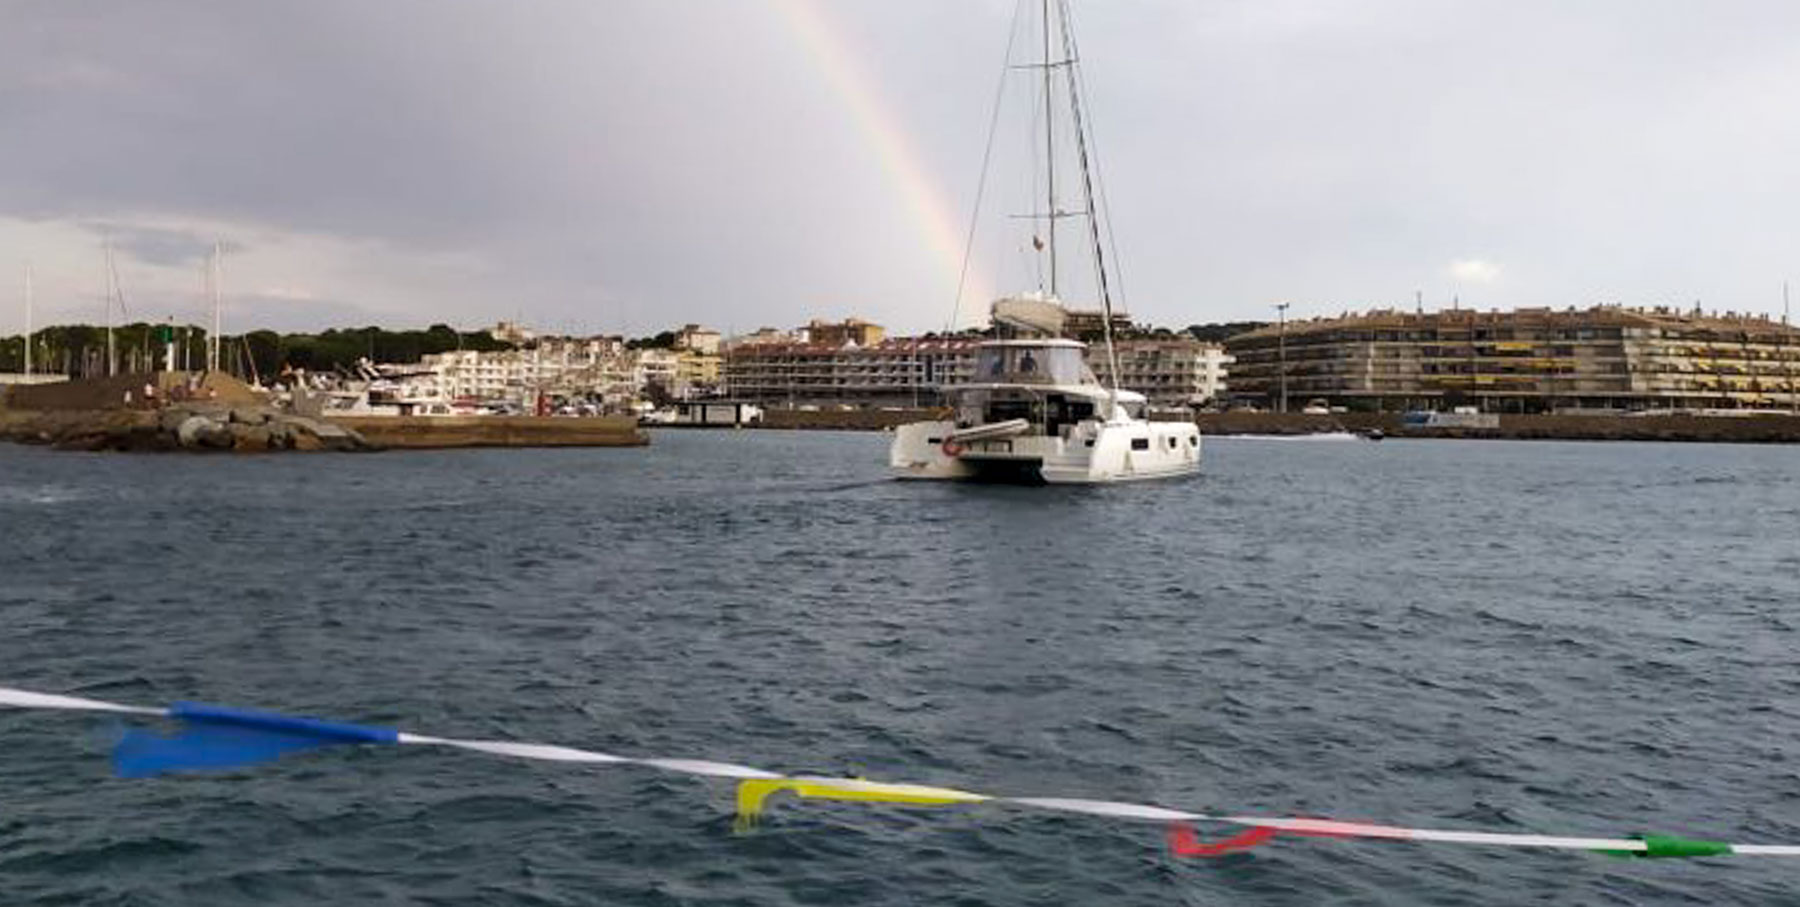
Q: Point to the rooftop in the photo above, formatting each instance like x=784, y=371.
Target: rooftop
x=1603, y=315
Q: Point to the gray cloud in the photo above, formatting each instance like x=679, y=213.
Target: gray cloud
x=165, y=246
x=629, y=164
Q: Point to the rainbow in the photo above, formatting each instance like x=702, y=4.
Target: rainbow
x=943, y=231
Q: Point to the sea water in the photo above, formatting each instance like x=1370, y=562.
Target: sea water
x=1504, y=636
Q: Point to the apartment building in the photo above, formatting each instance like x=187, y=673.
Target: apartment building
x=893, y=372
x=850, y=330
x=1168, y=371
x=1527, y=360
x=596, y=366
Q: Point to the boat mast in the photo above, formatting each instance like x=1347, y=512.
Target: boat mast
x=212, y=280
x=1049, y=153
x=1087, y=192
x=112, y=278
x=28, y=323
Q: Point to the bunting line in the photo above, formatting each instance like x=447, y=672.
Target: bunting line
x=212, y=737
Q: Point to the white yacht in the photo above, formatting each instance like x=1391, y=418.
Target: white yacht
x=1034, y=412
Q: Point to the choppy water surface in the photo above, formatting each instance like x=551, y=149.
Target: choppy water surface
x=1565, y=638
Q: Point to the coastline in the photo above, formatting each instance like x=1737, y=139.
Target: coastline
x=213, y=412
x=1759, y=429
x=439, y=432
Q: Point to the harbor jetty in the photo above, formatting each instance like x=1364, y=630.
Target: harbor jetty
x=164, y=411
x=191, y=411
x=430, y=432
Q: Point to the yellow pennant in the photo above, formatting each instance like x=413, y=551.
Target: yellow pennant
x=752, y=793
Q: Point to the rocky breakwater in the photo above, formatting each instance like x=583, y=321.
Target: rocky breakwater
x=198, y=426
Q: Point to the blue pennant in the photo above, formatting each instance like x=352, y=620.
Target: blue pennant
x=216, y=737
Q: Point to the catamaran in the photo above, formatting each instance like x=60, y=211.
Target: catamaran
x=1034, y=412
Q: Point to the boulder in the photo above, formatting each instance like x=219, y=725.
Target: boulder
x=189, y=430
x=84, y=440
x=216, y=436
x=318, y=428
x=170, y=419
x=249, y=439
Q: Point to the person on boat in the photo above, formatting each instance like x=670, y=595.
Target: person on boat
x=1027, y=364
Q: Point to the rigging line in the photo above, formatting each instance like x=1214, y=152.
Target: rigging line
x=1032, y=253
x=1050, y=149
x=1105, y=207
x=1081, y=148
x=962, y=277
x=118, y=289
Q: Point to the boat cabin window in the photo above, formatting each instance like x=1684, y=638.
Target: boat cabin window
x=1032, y=365
x=1140, y=443
x=978, y=407
x=1062, y=410
x=1052, y=413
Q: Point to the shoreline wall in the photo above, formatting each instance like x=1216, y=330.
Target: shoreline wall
x=433, y=432
x=197, y=411
x=1761, y=429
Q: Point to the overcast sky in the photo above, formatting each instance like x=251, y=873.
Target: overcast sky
x=627, y=165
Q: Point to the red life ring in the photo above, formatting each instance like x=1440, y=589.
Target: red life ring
x=951, y=448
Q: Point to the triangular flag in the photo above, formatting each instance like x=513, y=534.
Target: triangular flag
x=215, y=737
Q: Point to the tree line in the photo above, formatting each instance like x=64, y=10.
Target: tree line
x=79, y=350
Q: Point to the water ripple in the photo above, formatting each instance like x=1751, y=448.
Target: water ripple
x=1527, y=636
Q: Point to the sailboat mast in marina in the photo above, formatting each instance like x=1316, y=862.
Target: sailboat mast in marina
x=28, y=324
x=212, y=291
x=111, y=282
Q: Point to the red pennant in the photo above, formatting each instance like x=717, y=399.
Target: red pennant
x=1184, y=843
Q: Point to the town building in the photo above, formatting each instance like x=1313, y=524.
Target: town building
x=1169, y=371
x=696, y=339
x=892, y=372
x=911, y=371
x=764, y=335
x=850, y=330
x=512, y=332
x=1089, y=325
x=596, y=367
x=1528, y=360
x=698, y=372
x=659, y=368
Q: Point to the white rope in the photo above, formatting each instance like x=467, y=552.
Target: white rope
x=1103, y=808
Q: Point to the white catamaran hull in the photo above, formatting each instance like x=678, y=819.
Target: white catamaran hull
x=1090, y=452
